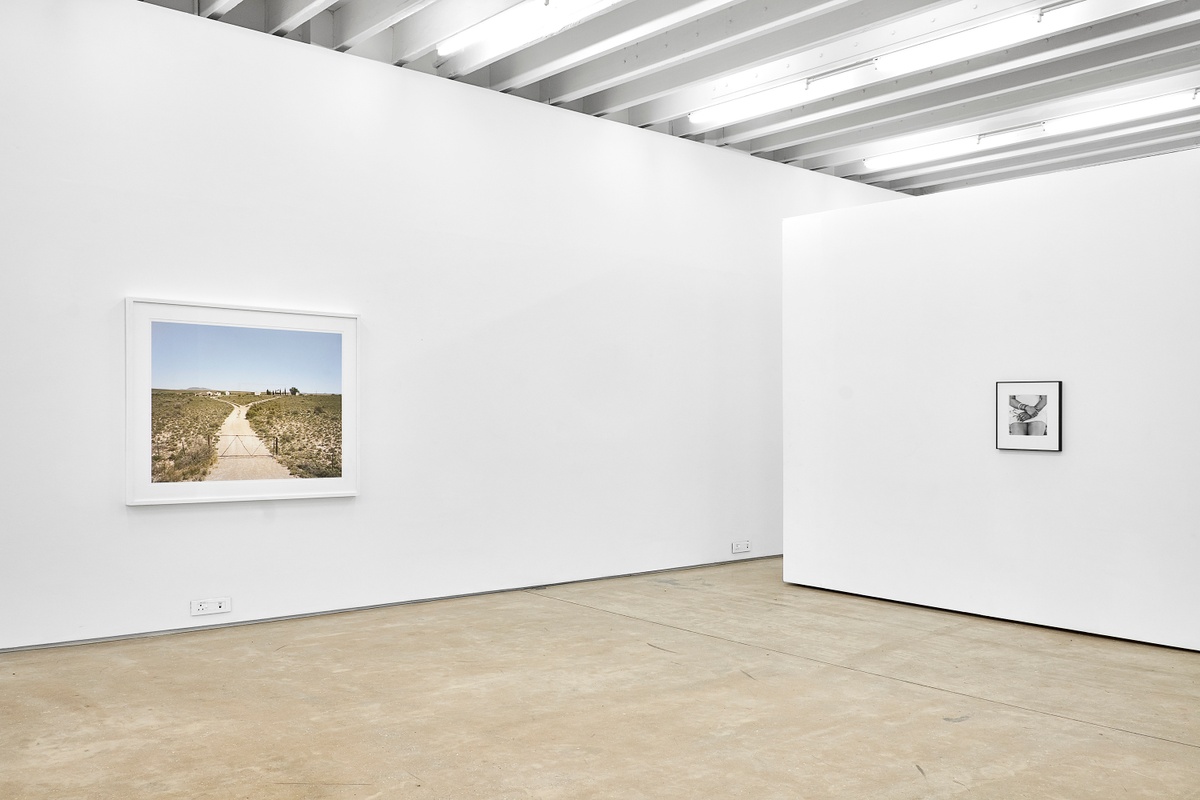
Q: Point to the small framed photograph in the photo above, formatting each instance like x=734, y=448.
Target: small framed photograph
x=231, y=403
x=1029, y=415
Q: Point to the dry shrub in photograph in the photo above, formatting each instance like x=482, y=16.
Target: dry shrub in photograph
x=308, y=429
x=182, y=426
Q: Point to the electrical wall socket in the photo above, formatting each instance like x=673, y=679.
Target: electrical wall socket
x=741, y=547
x=213, y=605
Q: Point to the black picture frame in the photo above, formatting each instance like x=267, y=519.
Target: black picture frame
x=1029, y=415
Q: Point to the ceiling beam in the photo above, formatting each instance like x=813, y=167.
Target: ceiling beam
x=420, y=33
x=771, y=130
x=826, y=24
x=979, y=102
x=376, y=48
x=1085, y=158
x=682, y=42
x=1034, y=151
x=284, y=16
x=188, y=6
x=848, y=48
x=359, y=20
x=597, y=38
x=469, y=62
x=862, y=51
x=215, y=9
x=984, y=99
x=880, y=40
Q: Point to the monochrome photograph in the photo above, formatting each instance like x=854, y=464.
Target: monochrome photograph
x=1029, y=415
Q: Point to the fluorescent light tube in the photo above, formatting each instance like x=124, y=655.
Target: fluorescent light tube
x=1024, y=27
x=955, y=147
x=1044, y=10
x=778, y=98
x=522, y=24
x=1085, y=120
x=958, y=46
x=916, y=155
x=753, y=105
x=1126, y=112
x=1012, y=135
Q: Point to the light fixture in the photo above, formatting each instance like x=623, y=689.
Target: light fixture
x=522, y=24
x=778, y=98
x=753, y=105
x=991, y=36
x=1044, y=10
x=1024, y=26
x=1007, y=136
x=918, y=155
x=953, y=47
x=821, y=76
x=1072, y=123
x=1126, y=112
x=959, y=46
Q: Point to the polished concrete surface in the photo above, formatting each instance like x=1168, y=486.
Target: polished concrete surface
x=715, y=682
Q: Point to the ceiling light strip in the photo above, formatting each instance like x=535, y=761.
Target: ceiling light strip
x=522, y=24
x=1087, y=120
x=820, y=76
x=1013, y=30
x=1044, y=10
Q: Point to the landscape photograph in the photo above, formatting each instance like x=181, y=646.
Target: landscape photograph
x=232, y=403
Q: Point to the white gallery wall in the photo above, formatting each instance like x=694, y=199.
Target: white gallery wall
x=898, y=321
x=570, y=343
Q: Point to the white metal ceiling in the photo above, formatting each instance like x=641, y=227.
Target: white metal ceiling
x=826, y=85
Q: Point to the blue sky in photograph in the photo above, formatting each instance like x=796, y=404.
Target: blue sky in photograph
x=232, y=358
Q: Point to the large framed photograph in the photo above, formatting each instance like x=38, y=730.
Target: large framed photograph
x=231, y=403
x=1029, y=415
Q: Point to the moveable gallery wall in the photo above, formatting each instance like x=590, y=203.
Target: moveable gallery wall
x=898, y=321
x=568, y=329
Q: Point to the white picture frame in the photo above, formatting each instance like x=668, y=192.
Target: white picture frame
x=226, y=357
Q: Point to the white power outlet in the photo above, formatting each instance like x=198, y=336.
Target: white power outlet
x=741, y=547
x=214, y=605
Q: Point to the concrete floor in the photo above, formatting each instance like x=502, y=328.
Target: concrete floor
x=716, y=682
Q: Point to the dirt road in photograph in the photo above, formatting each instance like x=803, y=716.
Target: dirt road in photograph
x=241, y=455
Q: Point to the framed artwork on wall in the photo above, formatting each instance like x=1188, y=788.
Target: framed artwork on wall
x=228, y=403
x=1029, y=415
